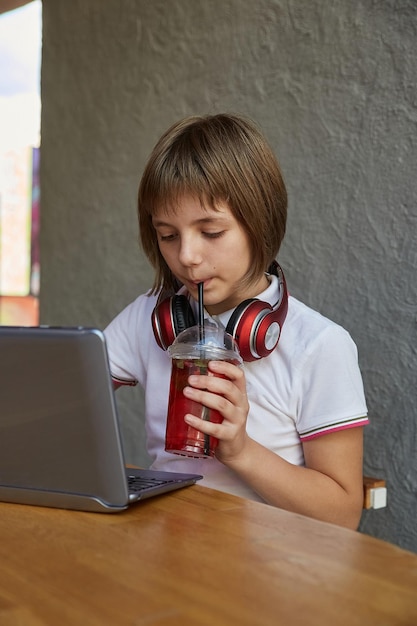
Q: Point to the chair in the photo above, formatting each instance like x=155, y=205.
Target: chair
x=374, y=493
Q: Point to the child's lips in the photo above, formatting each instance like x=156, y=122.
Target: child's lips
x=195, y=283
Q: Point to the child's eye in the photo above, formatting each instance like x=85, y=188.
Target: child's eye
x=214, y=235
x=167, y=237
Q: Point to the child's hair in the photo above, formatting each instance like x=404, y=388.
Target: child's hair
x=216, y=158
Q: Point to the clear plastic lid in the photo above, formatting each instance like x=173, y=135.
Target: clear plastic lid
x=209, y=342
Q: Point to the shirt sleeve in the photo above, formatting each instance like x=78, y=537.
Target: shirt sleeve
x=331, y=394
x=123, y=335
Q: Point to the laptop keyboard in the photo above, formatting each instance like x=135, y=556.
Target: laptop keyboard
x=139, y=483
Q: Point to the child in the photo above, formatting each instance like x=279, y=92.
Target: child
x=212, y=208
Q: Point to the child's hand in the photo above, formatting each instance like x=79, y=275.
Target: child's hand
x=228, y=396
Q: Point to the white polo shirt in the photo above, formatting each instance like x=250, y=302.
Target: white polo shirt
x=308, y=386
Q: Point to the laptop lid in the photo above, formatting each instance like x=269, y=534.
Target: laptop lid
x=60, y=443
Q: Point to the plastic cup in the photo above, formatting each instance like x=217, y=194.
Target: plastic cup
x=191, y=352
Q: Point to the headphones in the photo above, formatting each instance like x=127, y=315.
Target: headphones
x=254, y=324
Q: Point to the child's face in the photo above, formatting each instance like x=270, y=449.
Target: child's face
x=201, y=244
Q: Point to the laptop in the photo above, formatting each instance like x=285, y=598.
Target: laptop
x=60, y=441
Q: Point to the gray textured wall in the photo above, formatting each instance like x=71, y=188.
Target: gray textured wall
x=333, y=84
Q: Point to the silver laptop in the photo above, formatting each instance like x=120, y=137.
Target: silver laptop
x=60, y=442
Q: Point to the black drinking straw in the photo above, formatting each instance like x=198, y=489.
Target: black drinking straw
x=201, y=311
x=205, y=411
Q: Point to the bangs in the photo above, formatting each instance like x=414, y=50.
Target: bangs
x=188, y=168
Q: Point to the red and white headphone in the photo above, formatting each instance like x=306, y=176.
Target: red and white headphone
x=254, y=324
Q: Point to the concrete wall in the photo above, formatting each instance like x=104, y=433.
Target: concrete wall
x=333, y=84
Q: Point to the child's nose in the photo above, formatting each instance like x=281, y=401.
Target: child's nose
x=190, y=251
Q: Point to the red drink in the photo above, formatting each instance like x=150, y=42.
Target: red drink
x=191, y=352
x=180, y=437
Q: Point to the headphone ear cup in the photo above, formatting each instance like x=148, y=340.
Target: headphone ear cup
x=169, y=318
x=241, y=325
x=255, y=329
x=182, y=314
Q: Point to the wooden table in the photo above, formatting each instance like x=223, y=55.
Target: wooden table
x=197, y=556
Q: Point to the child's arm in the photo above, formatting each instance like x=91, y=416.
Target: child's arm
x=328, y=488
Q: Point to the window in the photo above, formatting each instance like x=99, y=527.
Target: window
x=20, y=60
